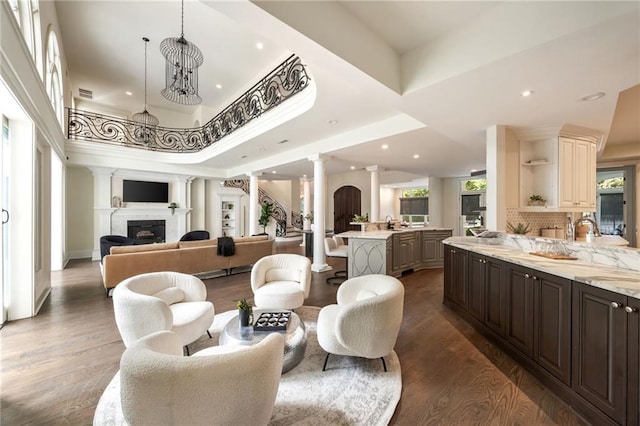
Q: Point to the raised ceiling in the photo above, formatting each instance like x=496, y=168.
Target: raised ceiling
x=425, y=78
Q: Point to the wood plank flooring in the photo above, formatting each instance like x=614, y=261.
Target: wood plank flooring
x=54, y=367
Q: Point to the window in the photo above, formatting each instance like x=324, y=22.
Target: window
x=414, y=206
x=54, y=78
x=472, y=193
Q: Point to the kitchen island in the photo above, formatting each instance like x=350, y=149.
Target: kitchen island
x=572, y=322
x=394, y=252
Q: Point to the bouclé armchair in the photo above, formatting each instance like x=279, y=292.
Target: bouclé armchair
x=366, y=320
x=281, y=281
x=146, y=303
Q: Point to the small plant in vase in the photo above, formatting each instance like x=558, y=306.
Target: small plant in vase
x=245, y=312
x=537, y=200
x=520, y=228
x=173, y=206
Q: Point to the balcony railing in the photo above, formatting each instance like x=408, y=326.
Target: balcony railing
x=286, y=80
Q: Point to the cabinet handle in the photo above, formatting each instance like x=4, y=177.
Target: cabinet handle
x=535, y=278
x=630, y=310
x=527, y=276
x=615, y=305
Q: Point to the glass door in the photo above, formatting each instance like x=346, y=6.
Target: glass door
x=4, y=228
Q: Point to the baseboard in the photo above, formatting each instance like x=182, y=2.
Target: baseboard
x=80, y=254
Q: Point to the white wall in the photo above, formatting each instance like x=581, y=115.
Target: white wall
x=79, y=208
x=451, y=204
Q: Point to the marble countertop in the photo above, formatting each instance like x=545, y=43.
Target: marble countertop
x=384, y=234
x=619, y=280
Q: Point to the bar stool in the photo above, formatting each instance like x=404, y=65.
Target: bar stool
x=333, y=250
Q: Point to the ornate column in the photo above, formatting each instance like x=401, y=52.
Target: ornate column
x=253, y=202
x=375, y=193
x=319, y=189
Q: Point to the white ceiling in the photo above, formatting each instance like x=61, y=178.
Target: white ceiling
x=425, y=78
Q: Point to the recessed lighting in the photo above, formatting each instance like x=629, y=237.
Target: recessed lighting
x=273, y=171
x=283, y=141
x=526, y=93
x=218, y=86
x=416, y=156
x=352, y=167
x=259, y=45
x=128, y=93
x=261, y=149
x=593, y=97
x=304, y=176
x=385, y=146
x=243, y=156
x=333, y=121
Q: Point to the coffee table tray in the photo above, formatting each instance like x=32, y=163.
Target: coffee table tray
x=272, y=321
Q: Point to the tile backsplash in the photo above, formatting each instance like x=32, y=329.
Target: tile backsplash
x=536, y=221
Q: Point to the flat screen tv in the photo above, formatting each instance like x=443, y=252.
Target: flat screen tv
x=145, y=192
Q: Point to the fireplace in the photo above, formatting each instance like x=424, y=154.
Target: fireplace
x=146, y=231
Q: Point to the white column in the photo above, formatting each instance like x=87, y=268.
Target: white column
x=253, y=202
x=306, y=184
x=319, y=259
x=496, y=178
x=375, y=193
x=102, y=208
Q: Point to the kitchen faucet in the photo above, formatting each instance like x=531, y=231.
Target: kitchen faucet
x=594, y=226
x=388, y=219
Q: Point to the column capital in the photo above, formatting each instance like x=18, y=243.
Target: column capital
x=373, y=168
x=318, y=157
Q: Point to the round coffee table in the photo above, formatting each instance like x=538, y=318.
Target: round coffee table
x=295, y=337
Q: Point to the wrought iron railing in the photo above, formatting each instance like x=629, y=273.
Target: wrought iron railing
x=297, y=221
x=286, y=80
x=279, y=212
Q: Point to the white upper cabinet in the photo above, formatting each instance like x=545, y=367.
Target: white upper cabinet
x=562, y=171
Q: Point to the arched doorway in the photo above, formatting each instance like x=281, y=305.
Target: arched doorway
x=346, y=204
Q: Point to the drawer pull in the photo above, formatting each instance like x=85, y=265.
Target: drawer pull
x=630, y=310
x=615, y=305
x=527, y=276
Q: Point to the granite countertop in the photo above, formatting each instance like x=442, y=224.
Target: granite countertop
x=588, y=271
x=384, y=234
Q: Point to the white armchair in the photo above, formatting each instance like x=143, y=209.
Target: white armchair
x=366, y=320
x=281, y=281
x=221, y=385
x=146, y=303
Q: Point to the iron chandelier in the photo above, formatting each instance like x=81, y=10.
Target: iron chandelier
x=144, y=132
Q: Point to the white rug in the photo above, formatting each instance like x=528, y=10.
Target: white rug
x=352, y=391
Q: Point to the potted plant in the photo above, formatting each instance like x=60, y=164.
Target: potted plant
x=537, y=200
x=173, y=206
x=520, y=228
x=265, y=215
x=361, y=219
x=245, y=312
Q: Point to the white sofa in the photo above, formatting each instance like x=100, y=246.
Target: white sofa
x=157, y=301
x=366, y=320
x=222, y=385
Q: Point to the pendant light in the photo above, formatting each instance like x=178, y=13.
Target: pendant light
x=143, y=132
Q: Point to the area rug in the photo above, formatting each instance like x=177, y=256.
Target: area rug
x=352, y=391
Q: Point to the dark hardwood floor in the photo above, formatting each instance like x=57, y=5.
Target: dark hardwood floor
x=55, y=366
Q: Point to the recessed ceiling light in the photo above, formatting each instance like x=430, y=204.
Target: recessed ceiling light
x=259, y=45
x=273, y=171
x=526, y=93
x=243, y=156
x=261, y=148
x=385, y=146
x=593, y=97
x=218, y=86
x=416, y=156
x=353, y=167
x=128, y=93
x=304, y=176
x=333, y=121
x=283, y=141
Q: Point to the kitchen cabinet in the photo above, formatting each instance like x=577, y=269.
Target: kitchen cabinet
x=432, y=253
x=406, y=250
x=455, y=278
x=520, y=309
x=605, y=351
x=562, y=170
x=487, y=292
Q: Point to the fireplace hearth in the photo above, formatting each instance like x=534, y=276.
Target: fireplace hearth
x=146, y=231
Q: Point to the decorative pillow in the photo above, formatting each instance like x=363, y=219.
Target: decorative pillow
x=365, y=294
x=170, y=295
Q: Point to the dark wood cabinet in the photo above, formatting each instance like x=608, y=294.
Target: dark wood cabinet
x=455, y=283
x=406, y=250
x=497, y=290
x=600, y=349
x=432, y=253
x=633, y=360
x=552, y=325
x=520, y=309
x=477, y=286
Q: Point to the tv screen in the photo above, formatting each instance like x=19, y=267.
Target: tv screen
x=145, y=192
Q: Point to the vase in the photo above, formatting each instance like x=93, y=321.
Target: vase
x=244, y=315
